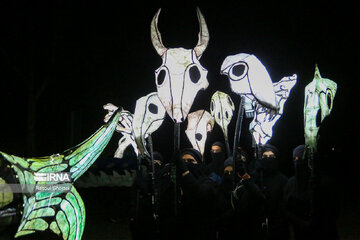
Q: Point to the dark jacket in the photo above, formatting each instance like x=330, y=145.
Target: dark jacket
x=249, y=203
x=199, y=206
x=297, y=201
x=273, y=185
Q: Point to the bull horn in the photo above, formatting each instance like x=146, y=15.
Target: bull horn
x=156, y=36
x=203, y=35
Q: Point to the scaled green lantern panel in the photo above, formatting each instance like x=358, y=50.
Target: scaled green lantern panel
x=62, y=211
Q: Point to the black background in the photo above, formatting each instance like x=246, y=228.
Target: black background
x=92, y=53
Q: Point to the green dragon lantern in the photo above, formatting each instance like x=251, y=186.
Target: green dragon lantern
x=62, y=211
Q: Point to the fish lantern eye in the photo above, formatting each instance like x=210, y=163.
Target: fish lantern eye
x=238, y=71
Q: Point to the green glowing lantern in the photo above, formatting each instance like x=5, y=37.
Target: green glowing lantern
x=319, y=98
x=62, y=211
x=222, y=109
x=6, y=194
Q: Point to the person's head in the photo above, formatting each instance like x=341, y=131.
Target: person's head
x=269, y=158
x=242, y=155
x=158, y=158
x=269, y=151
x=228, y=166
x=298, y=152
x=268, y=154
x=191, y=155
x=218, y=152
x=217, y=147
x=193, y=161
x=188, y=158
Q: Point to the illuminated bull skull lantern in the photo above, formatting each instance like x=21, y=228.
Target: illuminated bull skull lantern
x=319, y=97
x=249, y=77
x=199, y=124
x=181, y=75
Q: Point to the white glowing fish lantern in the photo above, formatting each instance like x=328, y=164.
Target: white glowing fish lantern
x=263, y=99
x=249, y=77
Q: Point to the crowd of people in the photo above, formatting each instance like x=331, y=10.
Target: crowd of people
x=190, y=197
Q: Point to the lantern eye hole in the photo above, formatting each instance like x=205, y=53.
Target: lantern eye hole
x=318, y=118
x=212, y=106
x=160, y=78
x=153, y=108
x=238, y=71
x=194, y=74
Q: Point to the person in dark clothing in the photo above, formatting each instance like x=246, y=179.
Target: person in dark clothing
x=227, y=224
x=217, y=147
x=272, y=182
x=246, y=202
x=168, y=220
x=143, y=208
x=216, y=165
x=199, y=197
x=328, y=163
x=297, y=197
x=158, y=163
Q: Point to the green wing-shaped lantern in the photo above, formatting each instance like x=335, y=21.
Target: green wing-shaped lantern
x=62, y=211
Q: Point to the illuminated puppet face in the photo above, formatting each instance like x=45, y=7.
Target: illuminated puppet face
x=199, y=124
x=222, y=108
x=181, y=75
x=249, y=77
x=319, y=97
x=148, y=117
x=263, y=122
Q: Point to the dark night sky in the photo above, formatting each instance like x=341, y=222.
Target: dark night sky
x=92, y=53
